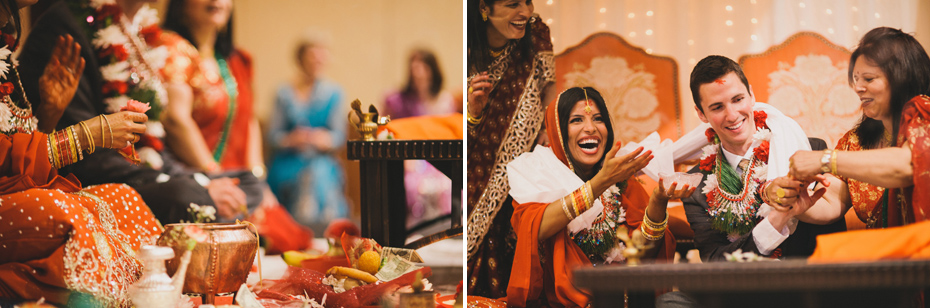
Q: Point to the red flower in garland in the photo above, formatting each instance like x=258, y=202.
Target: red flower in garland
x=707, y=164
x=6, y=88
x=10, y=41
x=119, y=87
x=759, y=117
x=150, y=34
x=117, y=51
x=710, y=133
x=762, y=151
x=109, y=10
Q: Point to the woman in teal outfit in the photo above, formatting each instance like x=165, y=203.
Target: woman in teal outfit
x=307, y=130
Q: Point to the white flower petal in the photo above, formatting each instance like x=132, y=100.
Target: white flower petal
x=118, y=71
x=108, y=36
x=710, y=183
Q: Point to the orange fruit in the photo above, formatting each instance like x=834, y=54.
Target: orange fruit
x=369, y=262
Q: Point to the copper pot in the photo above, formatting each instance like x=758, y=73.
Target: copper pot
x=219, y=265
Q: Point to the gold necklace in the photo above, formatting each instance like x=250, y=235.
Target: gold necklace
x=497, y=53
x=886, y=137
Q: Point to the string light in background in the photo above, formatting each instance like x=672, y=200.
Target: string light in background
x=648, y=31
x=755, y=21
x=802, y=5
x=729, y=8
x=549, y=2
x=829, y=12
x=603, y=10
x=631, y=15
x=729, y=22
x=648, y=13
x=877, y=16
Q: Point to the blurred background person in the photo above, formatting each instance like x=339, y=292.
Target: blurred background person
x=209, y=123
x=306, y=131
x=428, y=190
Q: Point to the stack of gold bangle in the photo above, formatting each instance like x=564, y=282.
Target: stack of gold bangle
x=64, y=148
x=473, y=120
x=568, y=213
x=87, y=136
x=654, y=231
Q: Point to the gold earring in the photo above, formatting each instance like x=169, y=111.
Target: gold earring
x=484, y=16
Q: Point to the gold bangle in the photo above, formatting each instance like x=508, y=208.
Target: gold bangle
x=574, y=204
x=655, y=226
x=51, y=150
x=833, y=162
x=472, y=120
x=650, y=236
x=109, y=128
x=77, y=143
x=91, y=147
x=71, y=155
x=565, y=209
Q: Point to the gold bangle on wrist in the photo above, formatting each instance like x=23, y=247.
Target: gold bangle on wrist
x=565, y=209
x=650, y=236
x=473, y=120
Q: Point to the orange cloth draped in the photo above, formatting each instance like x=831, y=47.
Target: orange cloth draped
x=25, y=165
x=427, y=127
x=56, y=238
x=866, y=198
x=915, y=129
x=528, y=278
x=211, y=101
x=906, y=242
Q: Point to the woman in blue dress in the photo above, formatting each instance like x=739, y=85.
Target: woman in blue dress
x=307, y=130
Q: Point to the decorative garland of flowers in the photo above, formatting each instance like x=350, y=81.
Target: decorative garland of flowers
x=15, y=111
x=128, y=65
x=600, y=241
x=734, y=201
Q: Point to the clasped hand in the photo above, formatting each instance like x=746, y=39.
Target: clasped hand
x=786, y=194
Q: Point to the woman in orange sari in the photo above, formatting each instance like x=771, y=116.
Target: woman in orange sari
x=57, y=239
x=884, y=179
x=559, y=223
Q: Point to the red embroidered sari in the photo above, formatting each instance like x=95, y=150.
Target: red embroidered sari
x=866, y=198
x=211, y=100
x=915, y=130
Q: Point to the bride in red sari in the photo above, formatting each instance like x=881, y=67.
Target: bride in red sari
x=57, y=238
x=570, y=198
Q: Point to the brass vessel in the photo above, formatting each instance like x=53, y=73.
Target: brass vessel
x=368, y=122
x=219, y=265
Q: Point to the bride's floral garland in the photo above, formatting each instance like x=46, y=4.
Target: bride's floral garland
x=127, y=64
x=598, y=241
x=734, y=201
x=15, y=111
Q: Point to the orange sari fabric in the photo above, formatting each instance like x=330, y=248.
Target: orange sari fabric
x=211, y=101
x=915, y=130
x=551, y=274
x=56, y=238
x=866, y=198
x=905, y=242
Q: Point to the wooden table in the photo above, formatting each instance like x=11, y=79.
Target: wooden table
x=792, y=283
x=383, y=196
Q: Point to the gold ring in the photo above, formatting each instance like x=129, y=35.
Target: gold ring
x=780, y=192
x=470, y=89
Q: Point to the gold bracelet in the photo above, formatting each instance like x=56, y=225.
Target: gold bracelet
x=91, y=147
x=655, y=226
x=833, y=162
x=650, y=236
x=77, y=143
x=108, y=128
x=51, y=150
x=565, y=209
x=574, y=204
x=472, y=120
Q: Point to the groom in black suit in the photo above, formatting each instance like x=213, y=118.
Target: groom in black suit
x=724, y=99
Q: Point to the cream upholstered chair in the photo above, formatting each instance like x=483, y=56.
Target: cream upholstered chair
x=806, y=78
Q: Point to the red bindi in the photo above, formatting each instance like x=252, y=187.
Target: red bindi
x=720, y=81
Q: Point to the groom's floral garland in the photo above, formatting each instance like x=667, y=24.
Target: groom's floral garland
x=734, y=201
x=127, y=64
